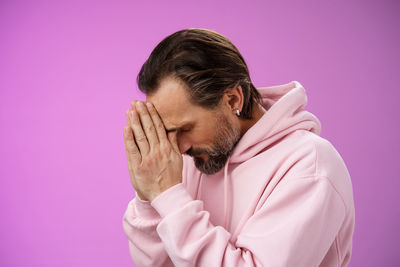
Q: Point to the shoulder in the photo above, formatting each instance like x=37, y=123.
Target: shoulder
x=315, y=152
x=318, y=158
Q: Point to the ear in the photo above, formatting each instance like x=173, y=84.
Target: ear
x=233, y=99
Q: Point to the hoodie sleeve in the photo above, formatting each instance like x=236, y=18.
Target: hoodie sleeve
x=295, y=226
x=139, y=223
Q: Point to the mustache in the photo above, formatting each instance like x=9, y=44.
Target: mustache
x=197, y=151
x=194, y=152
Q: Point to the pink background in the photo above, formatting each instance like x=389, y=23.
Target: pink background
x=67, y=75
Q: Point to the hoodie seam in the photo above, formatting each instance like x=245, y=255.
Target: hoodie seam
x=317, y=174
x=337, y=244
x=199, y=184
x=226, y=195
x=316, y=158
x=317, y=177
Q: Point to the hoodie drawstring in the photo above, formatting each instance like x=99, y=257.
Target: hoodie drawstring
x=226, y=195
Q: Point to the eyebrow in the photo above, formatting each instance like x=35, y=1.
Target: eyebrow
x=177, y=128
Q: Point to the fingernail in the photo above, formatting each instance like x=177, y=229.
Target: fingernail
x=149, y=105
x=139, y=105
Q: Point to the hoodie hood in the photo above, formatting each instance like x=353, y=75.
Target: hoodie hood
x=285, y=113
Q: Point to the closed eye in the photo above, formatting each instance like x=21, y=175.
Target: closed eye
x=184, y=129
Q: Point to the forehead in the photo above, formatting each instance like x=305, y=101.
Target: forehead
x=172, y=103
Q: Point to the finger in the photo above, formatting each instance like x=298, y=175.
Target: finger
x=132, y=152
x=133, y=104
x=147, y=124
x=159, y=125
x=172, y=137
x=138, y=133
x=128, y=117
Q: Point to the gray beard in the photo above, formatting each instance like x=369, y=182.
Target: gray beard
x=225, y=141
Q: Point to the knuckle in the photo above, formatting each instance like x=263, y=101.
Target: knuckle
x=158, y=154
x=132, y=149
x=159, y=125
x=150, y=128
x=153, y=113
x=141, y=138
x=142, y=111
x=126, y=131
x=164, y=149
x=147, y=162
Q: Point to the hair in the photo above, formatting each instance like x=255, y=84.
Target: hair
x=206, y=62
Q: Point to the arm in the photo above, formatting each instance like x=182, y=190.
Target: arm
x=139, y=223
x=294, y=227
x=154, y=164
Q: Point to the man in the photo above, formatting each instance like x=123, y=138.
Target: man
x=226, y=174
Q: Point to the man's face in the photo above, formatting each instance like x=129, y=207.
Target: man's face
x=209, y=136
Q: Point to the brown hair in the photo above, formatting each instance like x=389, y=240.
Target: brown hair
x=207, y=62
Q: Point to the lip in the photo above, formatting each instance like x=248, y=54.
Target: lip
x=202, y=156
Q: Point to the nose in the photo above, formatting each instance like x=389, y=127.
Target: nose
x=183, y=143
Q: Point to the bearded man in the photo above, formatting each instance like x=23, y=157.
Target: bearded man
x=226, y=174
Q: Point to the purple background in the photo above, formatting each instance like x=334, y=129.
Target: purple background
x=67, y=75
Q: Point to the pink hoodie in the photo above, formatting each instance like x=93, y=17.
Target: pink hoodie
x=284, y=198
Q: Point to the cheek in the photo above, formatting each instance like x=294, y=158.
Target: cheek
x=202, y=137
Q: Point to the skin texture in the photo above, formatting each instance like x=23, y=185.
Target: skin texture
x=226, y=137
x=169, y=125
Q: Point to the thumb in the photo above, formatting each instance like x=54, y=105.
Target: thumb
x=172, y=137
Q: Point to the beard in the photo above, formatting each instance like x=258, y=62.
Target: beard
x=225, y=141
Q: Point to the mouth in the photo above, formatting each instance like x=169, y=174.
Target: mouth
x=201, y=156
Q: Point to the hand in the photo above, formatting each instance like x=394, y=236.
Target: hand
x=154, y=159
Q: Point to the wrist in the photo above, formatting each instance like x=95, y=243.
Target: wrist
x=161, y=190
x=141, y=197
